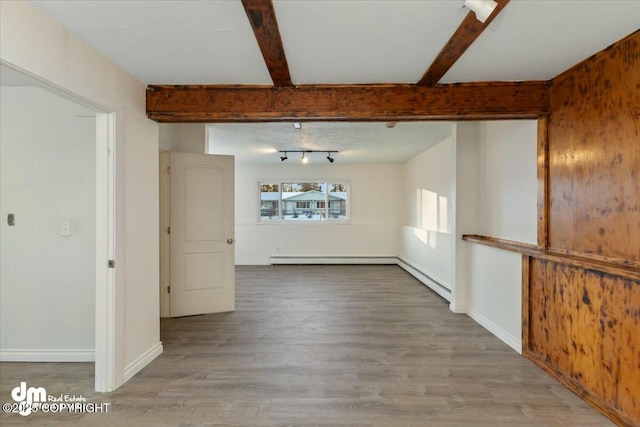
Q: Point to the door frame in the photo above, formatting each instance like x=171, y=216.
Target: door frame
x=105, y=312
x=109, y=290
x=165, y=223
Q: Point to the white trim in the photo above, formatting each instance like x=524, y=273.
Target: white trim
x=37, y=355
x=165, y=237
x=105, y=340
x=142, y=361
x=425, y=279
x=284, y=259
x=458, y=309
x=511, y=341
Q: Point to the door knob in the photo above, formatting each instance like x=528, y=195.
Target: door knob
x=230, y=241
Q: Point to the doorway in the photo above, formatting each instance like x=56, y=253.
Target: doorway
x=57, y=227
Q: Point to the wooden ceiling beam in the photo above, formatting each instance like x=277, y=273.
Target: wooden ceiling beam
x=262, y=17
x=389, y=102
x=468, y=31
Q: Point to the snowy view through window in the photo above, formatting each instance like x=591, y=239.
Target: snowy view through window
x=304, y=201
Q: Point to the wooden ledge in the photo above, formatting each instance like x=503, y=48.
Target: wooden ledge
x=610, y=267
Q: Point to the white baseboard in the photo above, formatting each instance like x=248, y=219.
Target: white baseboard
x=510, y=340
x=142, y=361
x=390, y=260
x=425, y=279
x=284, y=259
x=37, y=355
x=458, y=309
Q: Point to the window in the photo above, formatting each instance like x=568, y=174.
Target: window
x=304, y=201
x=269, y=201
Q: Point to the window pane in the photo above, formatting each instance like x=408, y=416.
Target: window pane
x=269, y=201
x=303, y=201
x=338, y=200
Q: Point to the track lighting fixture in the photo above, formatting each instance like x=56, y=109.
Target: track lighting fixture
x=305, y=158
x=482, y=8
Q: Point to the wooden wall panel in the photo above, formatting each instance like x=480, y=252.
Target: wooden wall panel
x=594, y=155
x=543, y=182
x=584, y=327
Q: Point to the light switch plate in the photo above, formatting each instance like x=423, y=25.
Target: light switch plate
x=65, y=229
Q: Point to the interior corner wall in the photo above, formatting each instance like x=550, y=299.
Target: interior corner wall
x=465, y=208
x=47, y=176
x=183, y=137
x=62, y=60
x=166, y=136
x=426, y=239
x=371, y=231
x=506, y=208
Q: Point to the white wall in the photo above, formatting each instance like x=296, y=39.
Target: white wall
x=183, y=137
x=372, y=230
x=465, y=208
x=507, y=197
x=47, y=175
x=426, y=238
x=35, y=44
x=487, y=171
x=507, y=185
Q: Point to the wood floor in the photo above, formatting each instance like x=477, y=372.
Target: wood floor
x=321, y=346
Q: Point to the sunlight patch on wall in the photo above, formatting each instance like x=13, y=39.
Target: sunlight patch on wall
x=432, y=215
x=420, y=234
x=429, y=205
x=443, y=215
x=433, y=239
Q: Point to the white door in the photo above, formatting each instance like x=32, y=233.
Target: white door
x=202, y=234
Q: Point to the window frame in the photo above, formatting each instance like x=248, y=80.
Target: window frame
x=328, y=219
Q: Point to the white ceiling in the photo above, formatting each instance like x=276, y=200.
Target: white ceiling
x=364, y=41
x=537, y=40
x=341, y=41
x=356, y=142
x=168, y=42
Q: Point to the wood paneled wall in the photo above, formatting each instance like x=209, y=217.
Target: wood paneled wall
x=594, y=155
x=583, y=324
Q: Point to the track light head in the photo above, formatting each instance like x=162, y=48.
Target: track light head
x=331, y=159
x=304, y=159
x=283, y=158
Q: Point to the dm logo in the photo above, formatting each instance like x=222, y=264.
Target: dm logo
x=28, y=398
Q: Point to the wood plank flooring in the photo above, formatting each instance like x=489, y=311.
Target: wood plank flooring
x=340, y=346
